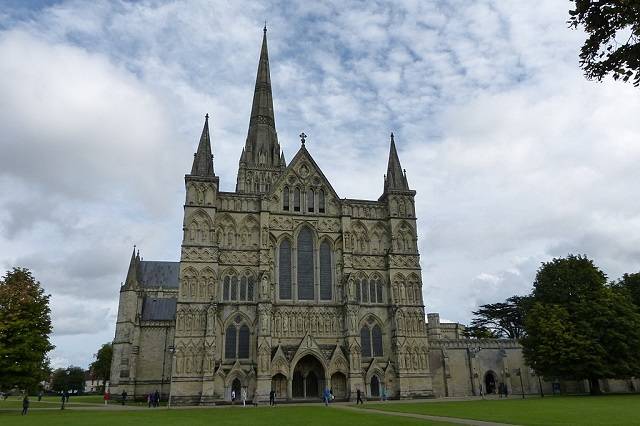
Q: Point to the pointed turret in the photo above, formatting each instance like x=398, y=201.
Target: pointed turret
x=262, y=147
x=395, y=179
x=132, y=273
x=203, y=159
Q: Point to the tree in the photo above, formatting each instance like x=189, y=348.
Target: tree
x=499, y=320
x=629, y=285
x=612, y=46
x=578, y=327
x=25, y=325
x=101, y=367
x=68, y=379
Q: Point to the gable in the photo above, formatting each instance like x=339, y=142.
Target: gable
x=303, y=173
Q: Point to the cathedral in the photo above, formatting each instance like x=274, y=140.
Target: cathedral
x=284, y=285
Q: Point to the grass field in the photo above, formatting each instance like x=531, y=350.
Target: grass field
x=607, y=410
x=316, y=415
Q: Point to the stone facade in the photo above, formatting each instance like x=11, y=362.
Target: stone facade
x=284, y=285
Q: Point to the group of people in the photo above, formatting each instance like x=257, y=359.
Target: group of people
x=153, y=399
x=243, y=396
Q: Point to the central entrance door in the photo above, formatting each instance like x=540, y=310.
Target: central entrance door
x=308, y=378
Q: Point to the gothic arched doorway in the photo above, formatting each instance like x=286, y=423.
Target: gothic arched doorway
x=375, y=386
x=339, y=385
x=279, y=385
x=308, y=378
x=236, y=386
x=490, y=382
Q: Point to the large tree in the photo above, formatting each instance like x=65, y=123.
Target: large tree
x=101, y=367
x=68, y=379
x=578, y=327
x=613, y=38
x=499, y=320
x=25, y=325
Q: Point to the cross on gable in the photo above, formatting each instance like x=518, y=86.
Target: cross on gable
x=303, y=137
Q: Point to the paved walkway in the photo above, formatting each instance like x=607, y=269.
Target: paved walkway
x=423, y=416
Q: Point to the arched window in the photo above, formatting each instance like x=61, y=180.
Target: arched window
x=376, y=340
x=321, y=201
x=379, y=291
x=243, y=288
x=234, y=288
x=358, y=289
x=305, y=265
x=225, y=291
x=236, y=340
x=230, y=342
x=365, y=290
x=243, y=342
x=365, y=341
x=296, y=200
x=310, y=201
x=285, y=198
x=284, y=270
x=371, y=340
x=325, y=271
x=372, y=291
x=250, y=289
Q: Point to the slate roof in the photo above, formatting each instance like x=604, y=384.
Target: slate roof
x=158, y=274
x=159, y=309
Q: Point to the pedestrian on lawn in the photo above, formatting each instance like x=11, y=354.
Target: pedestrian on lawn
x=25, y=405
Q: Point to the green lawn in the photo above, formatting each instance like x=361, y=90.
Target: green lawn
x=235, y=416
x=560, y=410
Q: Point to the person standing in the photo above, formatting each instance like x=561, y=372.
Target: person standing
x=272, y=398
x=359, y=397
x=64, y=398
x=156, y=398
x=233, y=396
x=25, y=405
x=243, y=395
x=106, y=397
x=326, y=396
x=124, y=397
x=39, y=396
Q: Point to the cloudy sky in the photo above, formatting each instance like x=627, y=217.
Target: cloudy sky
x=515, y=157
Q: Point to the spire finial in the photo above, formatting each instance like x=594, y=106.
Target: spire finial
x=391, y=136
x=303, y=138
x=206, y=116
x=265, y=26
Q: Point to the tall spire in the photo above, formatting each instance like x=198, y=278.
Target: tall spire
x=132, y=273
x=395, y=180
x=262, y=148
x=203, y=159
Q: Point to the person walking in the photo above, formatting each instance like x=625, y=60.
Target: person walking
x=326, y=396
x=272, y=398
x=156, y=399
x=243, y=395
x=39, y=396
x=233, y=396
x=64, y=398
x=124, y=396
x=359, y=397
x=106, y=397
x=25, y=405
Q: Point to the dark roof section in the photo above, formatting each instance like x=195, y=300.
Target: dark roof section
x=154, y=309
x=158, y=274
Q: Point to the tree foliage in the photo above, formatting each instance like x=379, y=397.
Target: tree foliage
x=101, y=367
x=629, y=285
x=613, y=35
x=68, y=379
x=499, y=320
x=25, y=325
x=578, y=327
